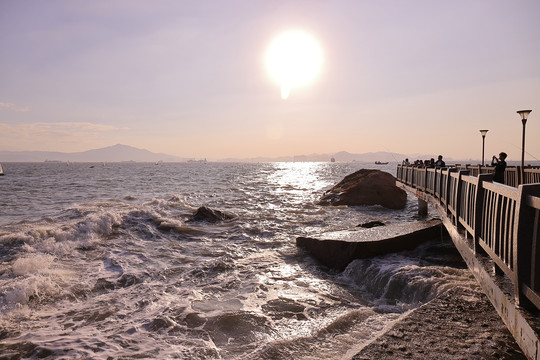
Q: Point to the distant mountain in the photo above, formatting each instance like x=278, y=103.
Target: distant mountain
x=382, y=156
x=114, y=153
x=341, y=156
x=120, y=152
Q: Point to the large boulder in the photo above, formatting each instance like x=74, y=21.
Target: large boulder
x=366, y=187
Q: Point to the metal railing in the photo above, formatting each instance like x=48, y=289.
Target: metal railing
x=503, y=220
x=513, y=175
x=531, y=176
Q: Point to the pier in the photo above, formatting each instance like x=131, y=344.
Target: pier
x=496, y=229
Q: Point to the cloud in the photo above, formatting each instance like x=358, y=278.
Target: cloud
x=57, y=136
x=56, y=129
x=13, y=107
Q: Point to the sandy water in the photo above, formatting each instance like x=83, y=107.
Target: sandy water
x=101, y=261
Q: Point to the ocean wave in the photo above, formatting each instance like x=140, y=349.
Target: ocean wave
x=62, y=240
x=399, y=282
x=36, y=279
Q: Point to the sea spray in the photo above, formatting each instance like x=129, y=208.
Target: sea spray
x=408, y=279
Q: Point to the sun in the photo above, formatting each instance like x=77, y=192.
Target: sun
x=293, y=59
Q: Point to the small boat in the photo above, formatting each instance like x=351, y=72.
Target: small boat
x=332, y=160
x=1, y=170
x=381, y=163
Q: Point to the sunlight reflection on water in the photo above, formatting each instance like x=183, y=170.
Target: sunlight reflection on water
x=295, y=178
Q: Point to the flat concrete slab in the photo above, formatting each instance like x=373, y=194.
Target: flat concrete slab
x=337, y=249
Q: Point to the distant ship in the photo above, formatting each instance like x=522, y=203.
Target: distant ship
x=332, y=160
x=381, y=163
x=1, y=170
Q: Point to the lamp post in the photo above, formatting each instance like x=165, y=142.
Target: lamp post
x=524, y=114
x=483, y=132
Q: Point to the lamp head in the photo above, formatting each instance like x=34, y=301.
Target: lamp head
x=483, y=132
x=524, y=114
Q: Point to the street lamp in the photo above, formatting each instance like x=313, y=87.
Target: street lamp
x=523, y=114
x=483, y=132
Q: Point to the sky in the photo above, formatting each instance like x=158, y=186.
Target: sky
x=189, y=78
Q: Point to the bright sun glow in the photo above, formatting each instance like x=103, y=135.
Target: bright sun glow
x=293, y=59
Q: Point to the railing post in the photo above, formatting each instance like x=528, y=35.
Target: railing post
x=425, y=181
x=519, y=176
x=457, y=195
x=523, y=244
x=478, y=206
x=438, y=183
x=447, y=187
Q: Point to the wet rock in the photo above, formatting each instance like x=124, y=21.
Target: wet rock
x=166, y=226
x=284, y=308
x=158, y=324
x=103, y=285
x=366, y=187
x=128, y=280
x=370, y=224
x=209, y=215
x=235, y=328
x=194, y=320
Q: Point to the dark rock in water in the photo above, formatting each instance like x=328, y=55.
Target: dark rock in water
x=371, y=224
x=284, y=308
x=194, y=320
x=212, y=216
x=235, y=327
x=158, y=324
x=103, y=285
x=128, y=280
x=366, y=187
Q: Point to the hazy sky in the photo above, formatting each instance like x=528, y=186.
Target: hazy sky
x=188, y=78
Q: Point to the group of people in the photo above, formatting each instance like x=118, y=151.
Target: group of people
x=498, y=162
x=426, y=163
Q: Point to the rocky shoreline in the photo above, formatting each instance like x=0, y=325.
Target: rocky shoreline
x=459, y=324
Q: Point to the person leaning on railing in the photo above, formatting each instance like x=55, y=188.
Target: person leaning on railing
x=500, y=166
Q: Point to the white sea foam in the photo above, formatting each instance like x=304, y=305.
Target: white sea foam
x=403, y=281
x=35, y=277
x=61, y=241
x=26, y=265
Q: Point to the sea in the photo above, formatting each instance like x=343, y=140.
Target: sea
x=104, y=261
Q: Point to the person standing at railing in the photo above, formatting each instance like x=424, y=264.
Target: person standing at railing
x=500, y=166
x=440, y=162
